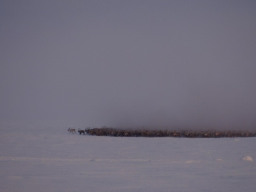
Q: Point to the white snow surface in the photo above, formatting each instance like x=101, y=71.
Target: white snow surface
x=52, y=160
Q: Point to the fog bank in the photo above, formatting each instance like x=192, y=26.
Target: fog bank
x=158, y=64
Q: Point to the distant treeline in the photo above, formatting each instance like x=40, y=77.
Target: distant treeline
x=167, y=133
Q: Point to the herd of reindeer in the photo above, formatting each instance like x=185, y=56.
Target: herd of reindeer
x=161, y=133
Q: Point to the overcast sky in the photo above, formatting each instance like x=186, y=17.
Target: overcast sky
x=180, y=63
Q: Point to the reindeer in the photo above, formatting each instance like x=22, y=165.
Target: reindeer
x=72, y=130
x=81, y=132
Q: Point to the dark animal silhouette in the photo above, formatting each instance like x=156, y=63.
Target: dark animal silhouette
x=81, y=132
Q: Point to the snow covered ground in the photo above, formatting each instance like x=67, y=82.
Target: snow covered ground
x=50, y=159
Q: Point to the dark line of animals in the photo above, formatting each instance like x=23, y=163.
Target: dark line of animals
x=161, y=133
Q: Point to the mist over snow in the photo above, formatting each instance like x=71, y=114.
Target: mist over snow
x=175, y=64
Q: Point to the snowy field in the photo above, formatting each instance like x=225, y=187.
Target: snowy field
x=50, y=159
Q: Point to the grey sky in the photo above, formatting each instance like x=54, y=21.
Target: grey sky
x=129, y=63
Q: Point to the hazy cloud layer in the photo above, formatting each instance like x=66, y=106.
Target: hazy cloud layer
x=129, y=63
